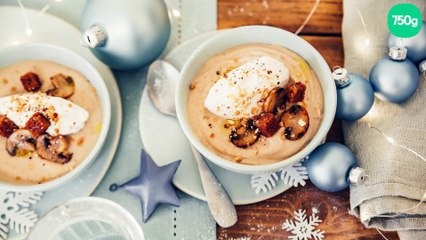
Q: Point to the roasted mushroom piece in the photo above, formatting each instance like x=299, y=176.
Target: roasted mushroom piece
x=20, y=143
x=7, y=127
x=244, y=133
x=63, y=86
x=267, y=124
x=280, y=111
x=37, y=124
x=295, y=92
x=31, y=82
x=295, y=121
x=274, y=100
x=53, y=148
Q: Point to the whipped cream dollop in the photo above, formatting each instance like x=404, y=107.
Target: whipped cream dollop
x=65, y=116
x=239, y=93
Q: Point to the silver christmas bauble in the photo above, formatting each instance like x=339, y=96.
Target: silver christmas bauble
x=355, y=96
x=394, y=79
x=332, y=168
x=125, y=34
x=416, y=45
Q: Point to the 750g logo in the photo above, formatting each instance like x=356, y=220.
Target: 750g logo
x=404, y=20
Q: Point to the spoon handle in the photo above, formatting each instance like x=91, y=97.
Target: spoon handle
x=221, y=206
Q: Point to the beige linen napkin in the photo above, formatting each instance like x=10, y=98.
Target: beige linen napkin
x=397, y=177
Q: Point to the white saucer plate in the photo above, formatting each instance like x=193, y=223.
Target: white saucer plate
x=166, y=142
x=49, y=29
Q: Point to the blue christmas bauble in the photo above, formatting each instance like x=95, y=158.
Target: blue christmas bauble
x=394, y=81
x=329, y=166
x=125, y=34
x=354, y=99
x=416, y=45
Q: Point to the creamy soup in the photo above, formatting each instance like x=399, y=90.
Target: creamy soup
x=31, y=168
x=211, y=129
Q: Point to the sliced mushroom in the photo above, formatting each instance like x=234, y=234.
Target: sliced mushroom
x=279, y=113
x=274, y=100
x=63, y=86
x=244, y=133
x=20, y=143
x=53, y=148
x=295, y=121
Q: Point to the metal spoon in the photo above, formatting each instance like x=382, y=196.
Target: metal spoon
x=161, y=83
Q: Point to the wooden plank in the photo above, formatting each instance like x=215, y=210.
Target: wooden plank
x=331, y=48
x=264, y=220
x=286, y=14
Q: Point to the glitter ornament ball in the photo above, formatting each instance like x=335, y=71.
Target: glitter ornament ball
x=332, y=168
x=395, y=78
x=416, y=45
x=125, y=34
x=355, y=96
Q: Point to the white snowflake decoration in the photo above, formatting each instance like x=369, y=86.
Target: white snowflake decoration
x=241, y=238
x=303, y=228
x=264, y=182
x=14, y=211
x=293, y=175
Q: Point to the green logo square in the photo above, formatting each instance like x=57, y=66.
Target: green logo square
x=404, y=20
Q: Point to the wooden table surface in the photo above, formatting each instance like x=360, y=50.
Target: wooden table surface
x=263, y=220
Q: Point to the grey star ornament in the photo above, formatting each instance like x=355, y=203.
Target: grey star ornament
x=153, y=185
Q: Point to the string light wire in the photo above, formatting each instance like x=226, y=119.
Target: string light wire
x=393, y=142
x=382, y=234
x=362, y=19
x=44, y=10
x=28, y=29
x=313, y=10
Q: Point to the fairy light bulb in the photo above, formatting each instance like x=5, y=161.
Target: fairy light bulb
x=29, y=32
x=390, y=139
x=366, y=42
x=176, y=12
x=362, y=43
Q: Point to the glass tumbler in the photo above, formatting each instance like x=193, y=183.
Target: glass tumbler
x=87, y=218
